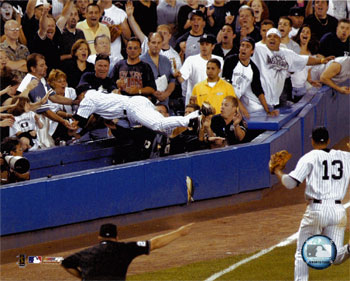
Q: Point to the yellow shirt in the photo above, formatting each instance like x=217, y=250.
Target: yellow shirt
x=214, y=95
x=90, y=35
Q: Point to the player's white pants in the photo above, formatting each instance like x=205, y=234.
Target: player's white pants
x=141, y=111
x=327, y=219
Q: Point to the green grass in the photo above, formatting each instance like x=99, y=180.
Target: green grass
x=275, y=265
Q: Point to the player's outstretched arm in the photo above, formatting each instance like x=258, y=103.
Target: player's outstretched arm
x=164, y=239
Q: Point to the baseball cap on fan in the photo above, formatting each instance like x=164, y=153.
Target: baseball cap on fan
x=320, y=135
x=297, y=12
x=249, y=40
x=273, y=31
x=40, y=3
x=207, y=38
x=196, y=13
x=108, y=230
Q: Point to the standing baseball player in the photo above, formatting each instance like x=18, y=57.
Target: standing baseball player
x=110, y=259
x=327, y=174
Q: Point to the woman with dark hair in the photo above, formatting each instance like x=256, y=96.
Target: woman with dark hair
x=308, y=46
x=78, y=65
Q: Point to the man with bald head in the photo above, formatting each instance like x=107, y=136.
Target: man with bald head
x=16, y=52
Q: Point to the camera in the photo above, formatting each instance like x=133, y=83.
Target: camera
x=19, y=164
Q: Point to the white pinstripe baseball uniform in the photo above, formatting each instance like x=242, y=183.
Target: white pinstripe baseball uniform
x=327, y=174
x=138, y=109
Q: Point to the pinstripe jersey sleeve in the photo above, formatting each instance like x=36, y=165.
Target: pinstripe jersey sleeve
x=86, y=107
x=303, y=168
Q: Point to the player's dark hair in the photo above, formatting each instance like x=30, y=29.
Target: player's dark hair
x=163, y=105
x=32, y=60
x=216, y=61
x=194, y=106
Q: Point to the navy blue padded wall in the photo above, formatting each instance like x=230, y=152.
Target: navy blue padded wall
x=337, y=114
x=95, y=194
x=68, y=159
x=229, y=171
x=307, y=119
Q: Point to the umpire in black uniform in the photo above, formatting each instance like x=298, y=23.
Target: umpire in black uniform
x=110, y=259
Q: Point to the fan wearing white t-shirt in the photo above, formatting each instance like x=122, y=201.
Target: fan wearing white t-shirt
x=245, y=78
x=194, y=68
x=275, y=63
x=114, y=16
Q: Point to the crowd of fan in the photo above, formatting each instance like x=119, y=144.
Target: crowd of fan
x=227, y=55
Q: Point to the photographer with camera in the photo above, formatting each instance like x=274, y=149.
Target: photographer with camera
x=14, y=167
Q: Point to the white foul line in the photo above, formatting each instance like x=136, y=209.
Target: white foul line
x=283, y=243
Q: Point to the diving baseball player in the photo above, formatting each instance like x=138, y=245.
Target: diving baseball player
x=327, y=174
x=137, y=109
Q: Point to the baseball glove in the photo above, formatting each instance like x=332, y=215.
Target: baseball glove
x=279, y=159
x=115, y=31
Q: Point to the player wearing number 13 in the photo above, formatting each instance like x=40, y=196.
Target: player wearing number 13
x=110, y=259
x=327, y=174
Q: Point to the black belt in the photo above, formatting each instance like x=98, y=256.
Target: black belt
x=124, y=111
x=320, y=201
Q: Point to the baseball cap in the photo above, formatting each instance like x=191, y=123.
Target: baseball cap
x=40, y=3
x=207, y=38
x=297, y=11
x=273, y=31
x=249, y=40
x=108, y=230
x=320, y=134
x=196, y=13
